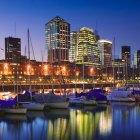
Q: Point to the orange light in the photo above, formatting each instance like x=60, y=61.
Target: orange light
x=6, y=68
x=28, y=69
x=77, y=73
x=91, y=70
x=45, y=70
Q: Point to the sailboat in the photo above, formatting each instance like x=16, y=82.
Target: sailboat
x=31, y=105
x=50, y=99
x=11, y=106
x=121, y=94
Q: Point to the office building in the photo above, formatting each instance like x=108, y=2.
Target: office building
x=137, y=59
x=126, y=54
x=105, y=48
x=84, y=48
x=73, y=46
x=57, y=34
x=13, y=49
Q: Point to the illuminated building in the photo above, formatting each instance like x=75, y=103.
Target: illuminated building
x=12, y=49
x=73, y=46
x=57, y=33
x=137, y=59
x=84, y=47
x=118, y=62
x=126, y=54
x=105, y=48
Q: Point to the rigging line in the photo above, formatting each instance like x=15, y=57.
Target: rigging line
x=32, y=46
x=61, y=69
x=29, y=76
x=42, y=57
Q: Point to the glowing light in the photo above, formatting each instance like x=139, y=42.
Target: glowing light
x=6, y=68
x=104, y=41
x=63, y=68
x=28, y=69
x=45, y=69
x=77, y=73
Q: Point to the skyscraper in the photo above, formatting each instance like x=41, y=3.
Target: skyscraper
x=137, y=59
x=13, y=49
x=126, y=54
x=84, y=48
x=73, y=46
x=57, y=33
x=105, y=48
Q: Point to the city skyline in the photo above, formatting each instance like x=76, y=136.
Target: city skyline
x=105, y=16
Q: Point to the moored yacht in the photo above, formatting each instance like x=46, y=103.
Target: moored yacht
x=121, y=95
x=51, y=100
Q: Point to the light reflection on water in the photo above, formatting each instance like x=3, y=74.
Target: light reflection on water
x=115, y=121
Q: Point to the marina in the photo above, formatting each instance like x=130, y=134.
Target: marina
x=69, y=70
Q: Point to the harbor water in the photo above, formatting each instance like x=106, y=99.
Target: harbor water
x=117, y=121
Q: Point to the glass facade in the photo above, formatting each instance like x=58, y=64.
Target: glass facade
x=137, y=59
x=105, y=48
x=126, y=55
x=57, y=33
x=84, y=47
x=73, y=47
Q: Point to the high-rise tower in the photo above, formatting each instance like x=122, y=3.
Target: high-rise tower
x=13, y=49
x=126, y=54
x=84, y=47
x=57, y=33
x=105, y=48
x=73, y=46
x=137, y=59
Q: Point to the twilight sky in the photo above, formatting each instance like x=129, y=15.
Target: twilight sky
x=112, y=18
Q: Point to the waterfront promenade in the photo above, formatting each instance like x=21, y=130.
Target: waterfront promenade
x=38, y=86
x=10, y=87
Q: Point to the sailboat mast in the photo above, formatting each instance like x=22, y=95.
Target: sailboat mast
x=52, y=66
x=83, y=74
x=113, y=64
x=17, y=82
x=42, y=65
x=29, y=61
x=126, y=65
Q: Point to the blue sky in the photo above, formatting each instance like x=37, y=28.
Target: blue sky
x=112, y=18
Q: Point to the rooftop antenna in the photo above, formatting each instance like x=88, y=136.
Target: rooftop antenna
x=96, y=26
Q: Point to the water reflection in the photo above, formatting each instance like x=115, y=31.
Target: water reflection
x=116, y=121
x=84, y=123
x=105, y=122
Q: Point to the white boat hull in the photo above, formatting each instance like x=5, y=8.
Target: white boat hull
x=76, y=101
x=21, y=117
x=102, y=102
x=89, y=102
x=80, y=101
x=119, y=99
x=33, y=106
x=15, y=110
x=121, y=95
x=59, y=105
